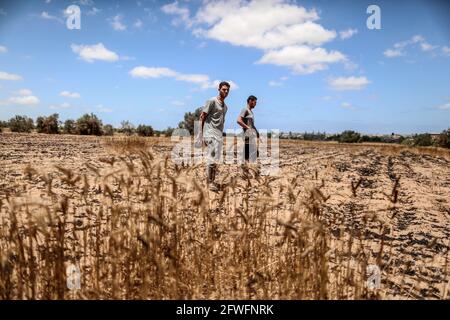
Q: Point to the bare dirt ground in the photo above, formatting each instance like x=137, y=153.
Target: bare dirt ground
x=417, y=225
x=393, y=201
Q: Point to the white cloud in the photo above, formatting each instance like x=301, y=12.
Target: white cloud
x=93, y=52
x=3, y=49
x=399, y=48
x=9, y=76
x=117, y=24
x=182, y=14
x=21, y=97
x=417, y=38
x=159, y=72
x=150, y=72
x=413, y=40
x=427, y=47
x=392, y=53
x=2, y=12
x=278, y=27
x=261, y=24
x=47, y=16
x=350, y=83
x=302, y=59
x=347, y=34
x=69, y=94
x=138, y=24
x=24, y=100
x=446, y=50
x=445, y=106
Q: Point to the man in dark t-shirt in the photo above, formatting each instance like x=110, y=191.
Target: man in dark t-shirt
x=246, y=120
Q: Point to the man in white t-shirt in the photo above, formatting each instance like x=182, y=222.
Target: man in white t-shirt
x=213, y=119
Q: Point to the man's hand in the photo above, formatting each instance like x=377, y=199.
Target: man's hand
x=198, y=141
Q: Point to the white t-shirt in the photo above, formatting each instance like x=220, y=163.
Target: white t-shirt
x=215, y=119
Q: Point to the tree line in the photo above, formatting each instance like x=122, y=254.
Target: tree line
x=350, y=136
x=90, y=124
x=87, y=124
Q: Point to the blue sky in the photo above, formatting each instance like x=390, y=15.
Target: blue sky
x=314, y=65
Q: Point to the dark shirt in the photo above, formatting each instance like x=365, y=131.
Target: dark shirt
x=249, y=119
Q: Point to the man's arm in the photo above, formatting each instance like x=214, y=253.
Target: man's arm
x=240, y=119
x=206, y=109
x=199, y=138
x=241, y=122
x=203, y=116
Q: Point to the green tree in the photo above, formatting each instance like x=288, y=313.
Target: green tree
x=443, y=140
x=408, y=142
x=3, y=124
x=89, y=124
x=70, y=127
x=21, y=124
x=423, y=140
x=366, y=138
x=189, y=120
x=108, y=130
x=349, y=136
x=168, y=132
x=127, y=128
x=144, y=130
x=48, y=124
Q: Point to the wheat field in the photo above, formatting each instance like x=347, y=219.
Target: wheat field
x=138, y=226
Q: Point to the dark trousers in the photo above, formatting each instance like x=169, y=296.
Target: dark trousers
x=247, y=149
